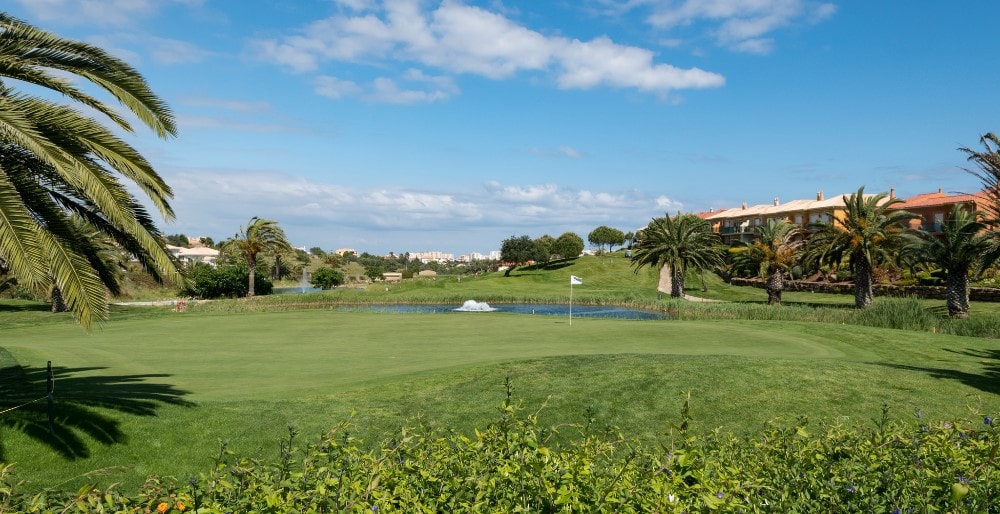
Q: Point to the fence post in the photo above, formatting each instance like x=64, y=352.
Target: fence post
x=49, y=387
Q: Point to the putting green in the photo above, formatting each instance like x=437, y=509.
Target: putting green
x=166, y=389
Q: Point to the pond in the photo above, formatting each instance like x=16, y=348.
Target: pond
x=473, y=308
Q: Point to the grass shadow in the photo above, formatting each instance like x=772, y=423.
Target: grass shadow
x=987, y=381
x=25, y=307
x=78, y=404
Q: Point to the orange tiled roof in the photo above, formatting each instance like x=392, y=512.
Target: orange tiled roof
x=938, y=198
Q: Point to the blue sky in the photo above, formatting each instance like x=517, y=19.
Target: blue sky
x=409, y=125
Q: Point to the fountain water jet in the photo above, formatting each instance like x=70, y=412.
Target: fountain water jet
x=474, y=306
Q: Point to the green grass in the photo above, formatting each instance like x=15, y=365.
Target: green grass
x=155, y=393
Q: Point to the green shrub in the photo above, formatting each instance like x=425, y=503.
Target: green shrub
x=325, y=278
x=206, y=281
x=514, y=465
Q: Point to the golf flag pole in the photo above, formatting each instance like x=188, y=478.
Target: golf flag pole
x=573, y=281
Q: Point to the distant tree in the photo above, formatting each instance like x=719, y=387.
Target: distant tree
x=374, y=271
x=332, y=260
x=301, y=256
x=207, y=241
x=544, y=244
x=629, y=239
x=605, y=235
x=567, y=246
x=964, y=245
x=675, y=245
x=177, y=240
x=867, y=233
x=259, y=236
x=317, y=251
x=515, y=251
x=325, y=278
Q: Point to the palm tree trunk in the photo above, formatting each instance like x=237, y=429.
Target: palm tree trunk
x=862, y=282
x=958, y=293
x=774, y=285
x=58, y=301
x=252, y=268
x=666, y=280
x=677, y=283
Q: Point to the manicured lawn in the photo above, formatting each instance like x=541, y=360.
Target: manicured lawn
x=154, y=392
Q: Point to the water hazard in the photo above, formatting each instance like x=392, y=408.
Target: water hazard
x=473, y=308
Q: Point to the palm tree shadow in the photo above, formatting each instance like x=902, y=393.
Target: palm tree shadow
x=79, y=402
x=987, y=381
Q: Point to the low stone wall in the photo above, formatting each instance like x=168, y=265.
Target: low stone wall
x=976, y=294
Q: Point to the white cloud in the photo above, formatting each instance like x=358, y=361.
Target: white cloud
x=460, y=39
x=740, y=25
x=421, y=88
x=667, y=204
x=332, y=87
x=217, y=202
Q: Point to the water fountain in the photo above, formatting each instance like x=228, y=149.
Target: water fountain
x=474, y=306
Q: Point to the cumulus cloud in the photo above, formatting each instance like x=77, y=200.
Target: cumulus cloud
x=455, y=38
x=216, y=202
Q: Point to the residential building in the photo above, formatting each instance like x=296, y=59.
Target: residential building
x=194, y=255
x=934, y=208
x=738, y=225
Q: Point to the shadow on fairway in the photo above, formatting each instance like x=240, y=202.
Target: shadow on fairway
x=25, y=307
x=77, y=400
x=987, y=381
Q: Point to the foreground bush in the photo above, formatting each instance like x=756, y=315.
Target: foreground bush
x=514, y=465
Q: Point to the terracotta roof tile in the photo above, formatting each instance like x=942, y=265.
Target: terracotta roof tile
x=939, y=198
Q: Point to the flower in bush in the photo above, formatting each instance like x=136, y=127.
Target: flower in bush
x=988, y=421
x=180, y=506
x=163, y=507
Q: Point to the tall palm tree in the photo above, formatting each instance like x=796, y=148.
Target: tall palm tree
x=259, y=236
x=963, y=245
x=868, y=232
x=680, y=243
x=56, y=161
x=775, y=251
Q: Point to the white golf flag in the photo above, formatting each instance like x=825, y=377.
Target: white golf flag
x=575, y=280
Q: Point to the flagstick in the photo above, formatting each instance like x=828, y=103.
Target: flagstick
x=571, y=302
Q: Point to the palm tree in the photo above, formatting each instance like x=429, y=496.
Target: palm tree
x=776, y=250
x=988, y=174
x=56, y=161
x=676, y=245
x=963, y=245
x=867, y=234
x=259, y=236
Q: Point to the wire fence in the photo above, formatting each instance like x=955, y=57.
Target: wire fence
x=50, y=387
